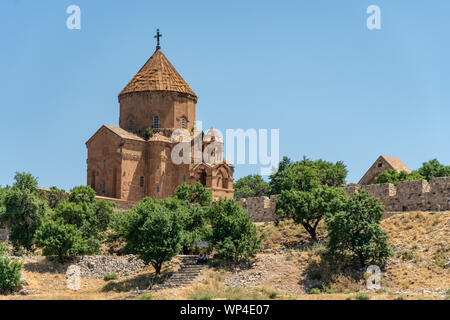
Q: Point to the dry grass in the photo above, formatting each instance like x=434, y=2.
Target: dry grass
x=420, y=242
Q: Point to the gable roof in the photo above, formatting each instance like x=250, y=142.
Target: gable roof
x=158, y=74
x=396, y=164
x=119, y=132
x=381, y=164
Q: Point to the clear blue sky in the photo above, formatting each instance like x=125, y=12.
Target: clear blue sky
x=312, y=69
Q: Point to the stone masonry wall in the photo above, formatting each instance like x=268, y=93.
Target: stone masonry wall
x=261, y=209
x=416, y=195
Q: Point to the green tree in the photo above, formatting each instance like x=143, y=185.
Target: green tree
x=85, y=219
x=394, y=177
x=25, y=181
x=327, y=173
x=54, y=197
x=23, y=211
x=434, y=169
x=10, y=274
x=330, y=174
x=277, y=177
x=310, y=207
x=355, y=231
x=56, y=237
x=195, y=227
x=251, y=186
x=153, y=232
x=197, y=194
x=234, y=235
x=309, y=192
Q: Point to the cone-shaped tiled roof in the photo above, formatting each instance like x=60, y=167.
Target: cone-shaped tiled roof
x=158, y=74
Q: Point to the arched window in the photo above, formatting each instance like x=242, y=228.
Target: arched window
x=155, y=122
x=130, y=125
x=183, y=123
x=141, y=182
x=157, y=188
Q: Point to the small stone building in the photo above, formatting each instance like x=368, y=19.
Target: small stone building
x=383, y=163
x=122, y=164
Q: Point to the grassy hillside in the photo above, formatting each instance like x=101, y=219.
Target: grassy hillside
x=287, y=268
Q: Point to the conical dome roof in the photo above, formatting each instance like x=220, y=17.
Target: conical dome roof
x=158, y=74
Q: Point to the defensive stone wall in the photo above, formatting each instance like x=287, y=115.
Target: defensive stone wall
x=261, y=209
x=418, y=195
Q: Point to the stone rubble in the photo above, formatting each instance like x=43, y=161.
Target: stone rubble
x=98, y=266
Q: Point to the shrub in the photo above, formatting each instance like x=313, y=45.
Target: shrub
x=233, y=233
x=110, y=276
x=10, y=274
x=146, y=296
x=314, y=291
x=4, y=250
x=362, y=296
x=148, y=133
x=355, y=231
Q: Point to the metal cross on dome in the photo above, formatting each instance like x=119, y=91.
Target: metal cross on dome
x=158, y=36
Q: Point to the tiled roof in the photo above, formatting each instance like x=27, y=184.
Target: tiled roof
x=158, y=74
x=123, y=133
x=396, y=164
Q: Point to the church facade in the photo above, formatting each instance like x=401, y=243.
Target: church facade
x=157, y=119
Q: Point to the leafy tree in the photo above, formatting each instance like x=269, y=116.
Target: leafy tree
x=195, y=227
x=233, y=233
x=434, y=169
x=308, y=192
x=23, y=211
x=59, y=238
x=392, y=176
x=310, y=207
x=77, y=224
x=153, y=232
x=327, y=173
x=10, y=274
x=54, y=197
x=355, y=231
x=250, y=186
x=197, y=194
x=330, y=174
x=25, y=181
x=276, y=177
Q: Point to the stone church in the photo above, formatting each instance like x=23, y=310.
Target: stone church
x=157, y=113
